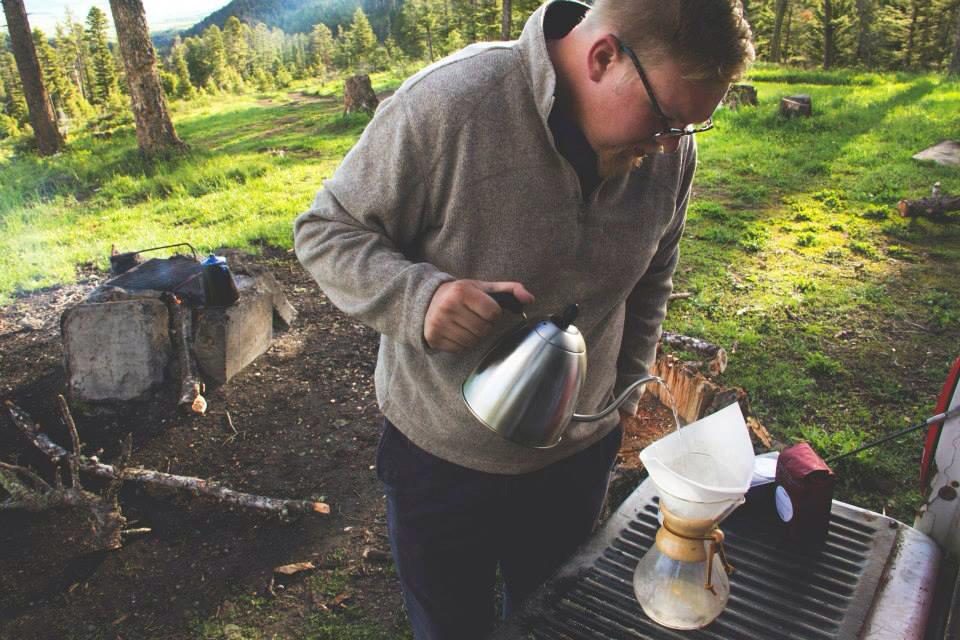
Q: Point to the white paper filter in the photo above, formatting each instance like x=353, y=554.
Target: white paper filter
x=710, y=460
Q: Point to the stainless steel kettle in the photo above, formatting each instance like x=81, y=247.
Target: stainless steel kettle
x=526, y=387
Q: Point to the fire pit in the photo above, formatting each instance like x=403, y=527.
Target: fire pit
x=149, y=325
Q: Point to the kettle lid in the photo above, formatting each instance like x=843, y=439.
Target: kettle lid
x=560, y=331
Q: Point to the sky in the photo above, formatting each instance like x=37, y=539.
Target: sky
x=161, y=14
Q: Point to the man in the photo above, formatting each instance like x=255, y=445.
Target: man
x=557, y=168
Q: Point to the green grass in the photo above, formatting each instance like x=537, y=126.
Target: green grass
x=255, y=163
x=841, y=318
x=843, y=315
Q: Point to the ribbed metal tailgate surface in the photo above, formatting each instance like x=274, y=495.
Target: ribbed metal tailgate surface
x=777, y=590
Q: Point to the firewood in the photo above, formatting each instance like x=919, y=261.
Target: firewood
x=717, y=355
x=191, y=386
x=197, y=486
x=935, y=206
x=695, y=396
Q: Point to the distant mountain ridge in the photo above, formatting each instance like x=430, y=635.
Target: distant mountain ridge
x=299, y=16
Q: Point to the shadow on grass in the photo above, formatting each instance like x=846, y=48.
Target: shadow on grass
x=310, y=127
x=785, y=156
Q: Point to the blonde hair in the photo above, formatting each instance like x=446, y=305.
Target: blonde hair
x=709, y=39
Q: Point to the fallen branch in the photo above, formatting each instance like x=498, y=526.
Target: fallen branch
x=932, y=207
x=74, y=438
x=101, y=522
x=198, y=486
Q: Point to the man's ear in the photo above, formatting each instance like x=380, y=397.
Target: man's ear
x=601, y=55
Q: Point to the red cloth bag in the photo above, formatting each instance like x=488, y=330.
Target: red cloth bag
x=804, y=494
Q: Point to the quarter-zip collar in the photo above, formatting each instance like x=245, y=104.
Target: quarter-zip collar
x=539, y=70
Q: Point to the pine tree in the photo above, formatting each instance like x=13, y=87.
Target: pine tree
x=185, y=88
x=321, y=48
x=198, y=62
x=412, y=35
x=14, y=104
x=361, y=40
x=216, y=53
x=75, y=105
x=104, y=67
x=42, y=118
x=74, y=58
x=421, y=23
x=890, y=32
x=865, y=37
x=236, y=46
x=62, y=90
x=264, y=55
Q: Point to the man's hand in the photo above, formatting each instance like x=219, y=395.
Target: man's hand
x=461, y=312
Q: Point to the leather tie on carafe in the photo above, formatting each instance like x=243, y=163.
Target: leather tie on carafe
x=715, y=538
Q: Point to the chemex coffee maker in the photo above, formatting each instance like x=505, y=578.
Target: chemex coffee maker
x=702, y=473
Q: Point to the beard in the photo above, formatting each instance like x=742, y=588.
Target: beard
x=615, y=162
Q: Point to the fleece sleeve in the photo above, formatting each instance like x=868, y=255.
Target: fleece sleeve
x=359, y=239
x=646, y=306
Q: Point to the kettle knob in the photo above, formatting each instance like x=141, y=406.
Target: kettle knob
x=566, y=318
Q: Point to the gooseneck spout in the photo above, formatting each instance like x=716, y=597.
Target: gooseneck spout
x=582, y=417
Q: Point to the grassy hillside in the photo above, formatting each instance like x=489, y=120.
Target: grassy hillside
x=841, y=317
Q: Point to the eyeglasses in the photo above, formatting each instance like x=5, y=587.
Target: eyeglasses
x=668, y=132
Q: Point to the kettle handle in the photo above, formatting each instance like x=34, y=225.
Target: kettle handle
x=507, y=301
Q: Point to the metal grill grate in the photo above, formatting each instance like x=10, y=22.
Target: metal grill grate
x=178, y=274
x=777, y=590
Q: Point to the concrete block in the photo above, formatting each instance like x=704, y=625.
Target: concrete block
x=283, y=312
x=115, y=350
x=227, y=339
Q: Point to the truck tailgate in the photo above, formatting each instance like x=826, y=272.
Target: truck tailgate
x=874, y=578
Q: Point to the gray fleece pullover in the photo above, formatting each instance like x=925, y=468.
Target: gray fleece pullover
x=458, y=176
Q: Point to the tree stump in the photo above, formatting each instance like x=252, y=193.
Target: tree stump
x=358, y=94
x=740, y=95
x=798, y=105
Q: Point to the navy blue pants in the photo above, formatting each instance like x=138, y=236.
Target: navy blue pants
x=451, y=528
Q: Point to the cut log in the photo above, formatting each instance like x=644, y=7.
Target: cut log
x=716, y=356
x=932, y=207
x=697, y=397
x=799, y=105
x=181, y=334
x=358, y=94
